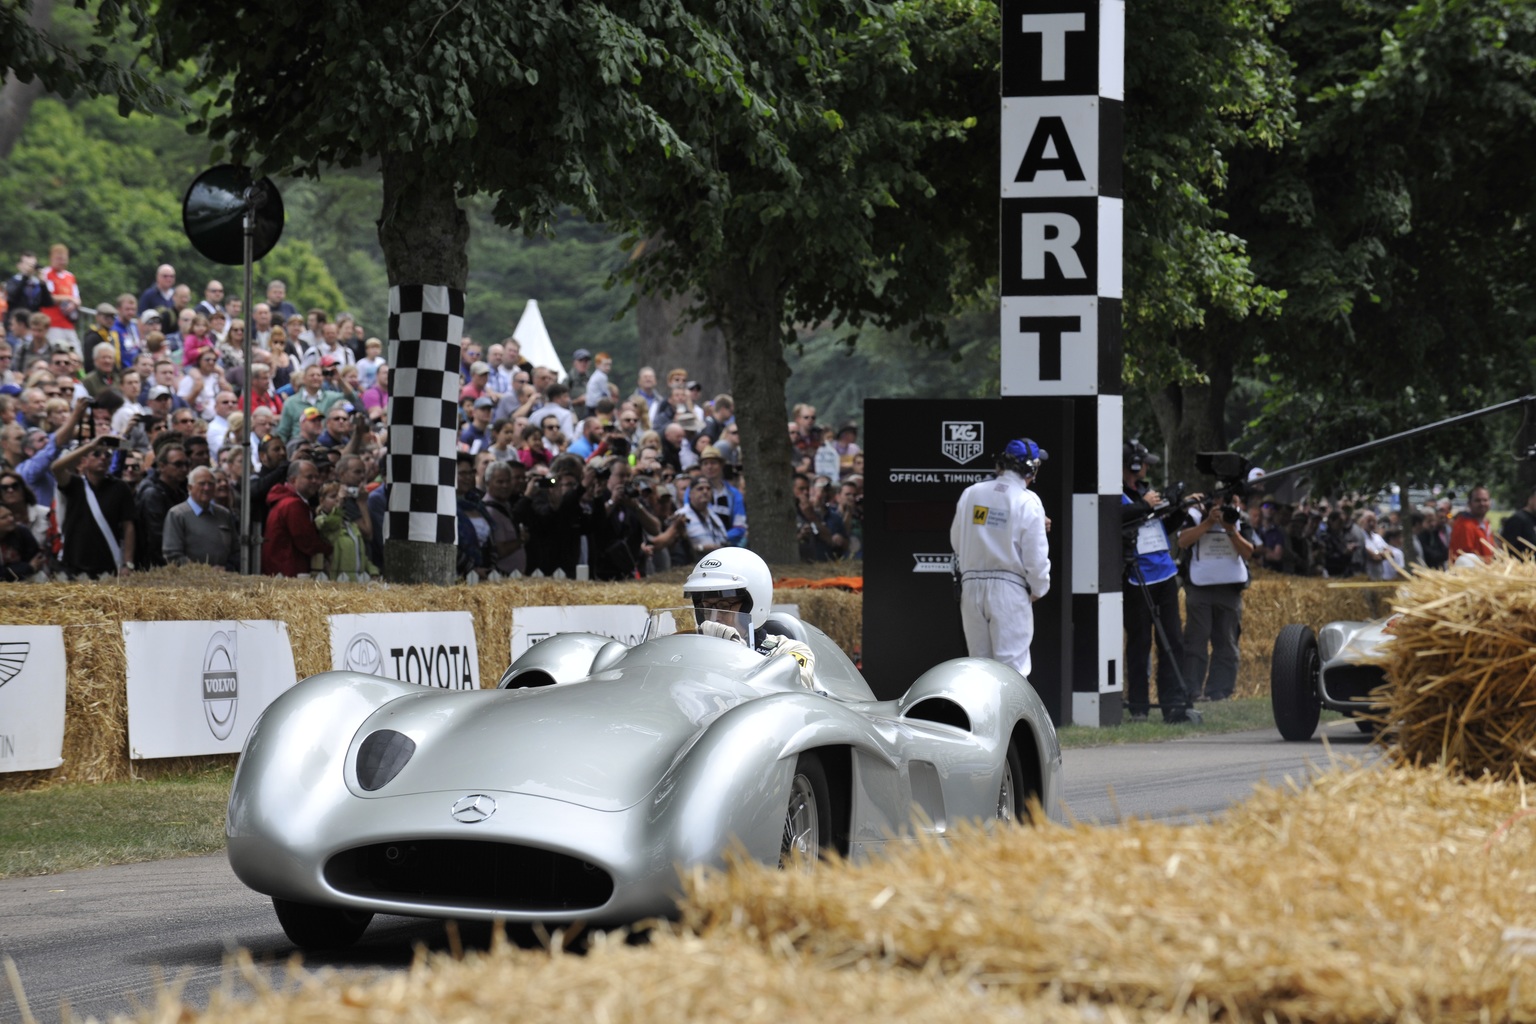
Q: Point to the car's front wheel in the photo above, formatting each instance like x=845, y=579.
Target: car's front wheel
x=1010, y=806
x=312, y=927
x=1293, y=683
x=808, y=816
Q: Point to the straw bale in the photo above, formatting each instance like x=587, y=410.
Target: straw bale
x=1371, y=895
x=673, y=978
x=1461, y=669
x=96, y=711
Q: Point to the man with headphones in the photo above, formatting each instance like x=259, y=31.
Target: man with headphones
x=998, y=535
x=1151, y=595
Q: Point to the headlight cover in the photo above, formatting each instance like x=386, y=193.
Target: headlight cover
x=381, y=756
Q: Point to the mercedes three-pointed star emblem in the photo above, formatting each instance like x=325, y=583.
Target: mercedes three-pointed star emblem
x=474, y=808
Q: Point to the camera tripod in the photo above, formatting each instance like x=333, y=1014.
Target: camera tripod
x=1134, y=566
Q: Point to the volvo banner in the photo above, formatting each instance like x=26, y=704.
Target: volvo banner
x=31, y=698
x=434, y=649
x=929, y=452
x=197, y=687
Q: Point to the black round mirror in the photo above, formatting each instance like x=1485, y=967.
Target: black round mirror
x=212, y=212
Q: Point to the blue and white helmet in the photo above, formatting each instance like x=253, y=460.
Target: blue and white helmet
x=1023, y=456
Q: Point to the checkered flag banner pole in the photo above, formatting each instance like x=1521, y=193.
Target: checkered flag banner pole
x=426, y=329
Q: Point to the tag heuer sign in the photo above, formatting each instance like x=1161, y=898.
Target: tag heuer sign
x=221, y=685
x=962, y=440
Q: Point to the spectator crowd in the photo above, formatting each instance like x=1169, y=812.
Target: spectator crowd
x=123, y=445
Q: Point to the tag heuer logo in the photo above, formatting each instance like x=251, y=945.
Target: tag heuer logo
x=933, y=563
x=962, y=440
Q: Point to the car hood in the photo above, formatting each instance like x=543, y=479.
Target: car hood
x=602, y=743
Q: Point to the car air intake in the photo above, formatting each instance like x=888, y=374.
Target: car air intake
x=381, y=756
x=470, y=873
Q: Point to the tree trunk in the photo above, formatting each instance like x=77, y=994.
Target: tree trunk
x=16, y=96
x=425, y=237
x=700, y=349
x=753, y=303
x=1193, y=416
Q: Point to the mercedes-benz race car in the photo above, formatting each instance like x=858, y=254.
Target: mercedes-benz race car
x=577, y=788
x=1331, y=669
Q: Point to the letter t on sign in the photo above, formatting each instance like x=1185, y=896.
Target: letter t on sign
x=1050, y=329
x=1053, y=29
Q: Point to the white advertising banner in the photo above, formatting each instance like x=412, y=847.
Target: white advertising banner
x=621, y=621
x=198, y=687
x=427, y=648
x=31, y=698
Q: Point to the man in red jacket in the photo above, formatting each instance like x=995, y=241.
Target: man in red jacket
x=291, y=538
x=1470, y=532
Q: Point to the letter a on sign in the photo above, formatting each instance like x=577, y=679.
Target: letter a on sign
x=1050, y=149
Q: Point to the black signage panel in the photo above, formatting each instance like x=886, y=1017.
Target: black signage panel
x=929, y=452
x=1050, y=47
x=1050, y=246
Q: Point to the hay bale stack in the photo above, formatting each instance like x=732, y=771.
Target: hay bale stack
x=1461, y=670
x=96, y=703
x=1369, y=896
x=1273, y=914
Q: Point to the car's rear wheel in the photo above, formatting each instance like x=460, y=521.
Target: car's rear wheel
x=1010, y=807
x=1293, y=683
x=808, y=816
x=312, y=927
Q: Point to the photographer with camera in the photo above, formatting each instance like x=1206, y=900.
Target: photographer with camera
x=99, y=532
x=619, y=523
x=1151, y=597
x=1219, y=542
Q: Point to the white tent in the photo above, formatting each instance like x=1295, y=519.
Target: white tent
x=538, y=350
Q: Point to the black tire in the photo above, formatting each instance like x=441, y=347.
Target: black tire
x=809, y=806
x=1293, y=683
x=1015, y=810
x=311, y=927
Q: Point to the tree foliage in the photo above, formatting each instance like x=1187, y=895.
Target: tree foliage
x=67, y=66
x=1400, y=223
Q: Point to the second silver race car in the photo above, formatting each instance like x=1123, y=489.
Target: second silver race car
x=577, y=788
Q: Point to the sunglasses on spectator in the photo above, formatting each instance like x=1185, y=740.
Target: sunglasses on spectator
x=10, y=487
x=177, y=464
x=182, y=421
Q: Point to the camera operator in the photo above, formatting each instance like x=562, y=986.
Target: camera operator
x=1219, y=543
x=551, y=508
x=619, y=523
x=1151, y=594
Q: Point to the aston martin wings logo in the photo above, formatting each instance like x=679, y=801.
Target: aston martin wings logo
x=13, y=656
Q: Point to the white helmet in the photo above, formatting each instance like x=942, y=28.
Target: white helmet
x=734, y=572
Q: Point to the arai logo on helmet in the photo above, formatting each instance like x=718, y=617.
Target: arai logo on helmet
x=710, y=563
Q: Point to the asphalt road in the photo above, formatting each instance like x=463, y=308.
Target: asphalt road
x=104, y=939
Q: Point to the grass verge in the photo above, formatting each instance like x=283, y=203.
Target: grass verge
x=1238, y=715
x=45, y=831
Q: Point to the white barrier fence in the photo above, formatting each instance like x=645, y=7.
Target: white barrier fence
x=197, y=687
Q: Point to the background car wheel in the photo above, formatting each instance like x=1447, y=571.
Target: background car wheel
x=311, y=927
x=808, y=816
x=1293, y=683
x=1010, y=798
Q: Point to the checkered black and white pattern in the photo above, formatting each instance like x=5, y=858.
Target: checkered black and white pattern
x=1062, y=208
x=426, y=327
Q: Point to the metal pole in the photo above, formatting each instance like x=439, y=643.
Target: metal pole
x=248, y=308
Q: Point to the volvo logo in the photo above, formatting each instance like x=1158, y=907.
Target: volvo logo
x=221, y=685
x=473, y=809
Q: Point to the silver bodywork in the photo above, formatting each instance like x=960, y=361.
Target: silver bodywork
x=577, y=788
x=1346, y=676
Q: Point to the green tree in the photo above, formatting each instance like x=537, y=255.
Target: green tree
x=411, y=84
x=875, y=215
x=1400, y=223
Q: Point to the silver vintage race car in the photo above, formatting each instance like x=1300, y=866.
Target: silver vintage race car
x=577, y=788
x=1331, y=669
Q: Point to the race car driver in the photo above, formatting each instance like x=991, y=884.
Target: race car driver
x=998, y=536
x=732, y=594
